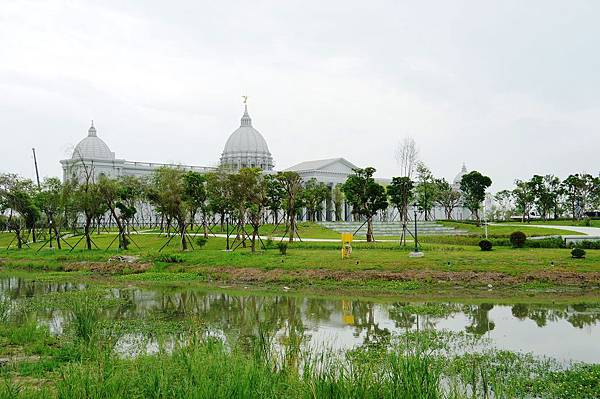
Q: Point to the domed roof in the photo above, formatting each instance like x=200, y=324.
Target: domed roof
x=246, y=147
x=458, y=178
x=92, y=147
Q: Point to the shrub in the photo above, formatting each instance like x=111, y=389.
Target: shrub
x=578, y=253
x=485, y=245
x=586, y=244
x=269, y=243
x=517, y=239
x=282, y=247
x=201, y=242
x=550, y=242
x=169, y=258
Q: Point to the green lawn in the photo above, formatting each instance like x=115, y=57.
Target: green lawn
x=561, y=222
x=505, y=231
x=311, y=255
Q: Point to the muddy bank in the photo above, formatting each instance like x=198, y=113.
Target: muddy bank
x=563, y=278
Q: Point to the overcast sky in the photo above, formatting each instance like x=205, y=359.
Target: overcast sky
x=511, y=88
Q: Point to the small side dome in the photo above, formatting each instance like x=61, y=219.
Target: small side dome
x=92, y=147
x=247, y=148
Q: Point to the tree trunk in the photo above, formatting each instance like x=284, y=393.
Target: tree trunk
x=86, y=232
x=57, y=236
x=370, y=229
x=182, y=228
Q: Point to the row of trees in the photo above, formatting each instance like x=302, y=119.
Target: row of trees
x=246, y=198
x=180, y=197
x=550, y=197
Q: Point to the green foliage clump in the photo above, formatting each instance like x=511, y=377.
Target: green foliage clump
x=282, y=246
x=201, y=242
x=485, y=245
x=578, y=253
x=169, y=258
x=550, y=242
x=517, y=239
x=586, y=244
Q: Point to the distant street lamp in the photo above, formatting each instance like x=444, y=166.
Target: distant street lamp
x=416, y=253
x=416, y=234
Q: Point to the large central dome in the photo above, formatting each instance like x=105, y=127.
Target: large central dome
x=93, y=147
x=247, y=148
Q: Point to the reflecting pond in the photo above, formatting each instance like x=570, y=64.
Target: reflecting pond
x=564, y=332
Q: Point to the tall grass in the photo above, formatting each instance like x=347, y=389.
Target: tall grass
x=85, y=317
x=5, y=306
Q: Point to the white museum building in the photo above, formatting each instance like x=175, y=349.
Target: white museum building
x=245, y=147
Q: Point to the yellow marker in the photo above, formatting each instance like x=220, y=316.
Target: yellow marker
x=346, y=245
x=347, y=316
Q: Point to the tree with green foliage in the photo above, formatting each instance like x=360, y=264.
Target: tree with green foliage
x=257, y=199
x=580, y=191
x=337, y=197
x=366, y=196
x=115, y=194
x=292, y=186
x=314, y=194
x=89, y=203
x=473, y=186
x=55, y=200
x=524, y=198
x=275, y=195
x=196, y=197
x=400, y=191
x=546, y=191
x=167, y=193
x=447, y=197
x=219, y=194
x=16, y=197
x=504, y=200
x=426, y=190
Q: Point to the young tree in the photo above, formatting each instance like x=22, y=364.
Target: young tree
x=545, y=190
x=314, y=194
x=338, y=201
x=524, y=198
x=447, y=197
x=407, y=157
x=257, y=199
x=167, y=193
x=50, y=200
x=88, y=202
x=504, y=200
x=115, y=195
x=219, y=194
x=275, y=195
x=292, y=186
x=366, y=196
x=196, y=197
x=15, y=196
x=400, y=193
x=425, y=190
x=473, y=186
x=580, y=190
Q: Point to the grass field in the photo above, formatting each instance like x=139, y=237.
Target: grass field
x=505, y=231
x=372, y=266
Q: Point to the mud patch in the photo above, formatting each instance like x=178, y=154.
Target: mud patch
x=113, y=267
x=251, y=275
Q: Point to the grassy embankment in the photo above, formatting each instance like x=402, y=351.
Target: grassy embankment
x=86, y=360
